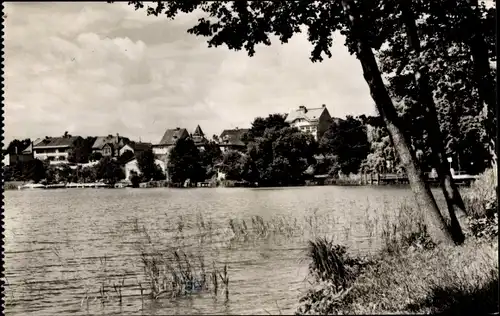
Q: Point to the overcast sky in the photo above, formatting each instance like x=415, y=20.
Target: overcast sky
x=99, y=69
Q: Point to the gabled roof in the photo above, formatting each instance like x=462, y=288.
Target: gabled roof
x=28, y=150
x=198, y=131
x=172, y=135
x=232, y=137
x=199, y=137
x=308, y=114
x=36, y=141
x=115, y=141
x=57, y=142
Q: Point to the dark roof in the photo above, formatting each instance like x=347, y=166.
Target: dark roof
x=198, y=131
x=115, y=141
x=28, y=150
x=199, y=137
x=172, y=135
x=232, y=137
x=138, y=146
x=57, y=142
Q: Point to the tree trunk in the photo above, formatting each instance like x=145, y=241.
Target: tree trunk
x=482, y=72
x=436, y=223
x=450, y=190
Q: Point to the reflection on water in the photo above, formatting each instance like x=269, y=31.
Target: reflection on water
x=61, y=246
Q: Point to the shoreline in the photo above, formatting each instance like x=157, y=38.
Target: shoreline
x=17, y=185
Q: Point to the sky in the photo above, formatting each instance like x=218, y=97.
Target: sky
x=97, y=69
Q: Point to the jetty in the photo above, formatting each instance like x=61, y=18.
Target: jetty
x=29, y=186
x=393, y=178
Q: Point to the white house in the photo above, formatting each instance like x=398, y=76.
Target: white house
x=132, y=166
x=55, y=148
x=6, y=160
x=314, y=121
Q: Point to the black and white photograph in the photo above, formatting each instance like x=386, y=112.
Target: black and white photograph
x=242, y=157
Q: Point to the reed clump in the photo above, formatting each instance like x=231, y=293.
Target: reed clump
x=177, y=273
x=258, y=228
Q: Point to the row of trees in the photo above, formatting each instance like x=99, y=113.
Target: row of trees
x=429, y=52
x=110, y=170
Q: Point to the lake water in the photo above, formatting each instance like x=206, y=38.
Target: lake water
x=61, y=246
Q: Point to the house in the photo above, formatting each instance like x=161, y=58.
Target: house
x=109, y=145
x=135, y=147
x=199, y=138
x=55, y=149
x=314, y=121
x=13, y=157
x=132, y=166
x=232, y=139
x=169, y=139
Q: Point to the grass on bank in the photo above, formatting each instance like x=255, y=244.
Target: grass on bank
x=413, y=275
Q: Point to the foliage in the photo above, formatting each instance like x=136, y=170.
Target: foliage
x=482, y=203
x=109, y=170
x=327, y=164
x=17, y=146
x=135, y=179
x=410, y=275
x=481, y=199
x=95, y=156
x=88, y=174
x=444, y=32
x=250, y=171
x=334, y=271
x=64, y=174
x=260, y=125
x=407, y=231
x=282, y=156
x=347, y=140
x=82, y=151
x=484, y=227
x=451, y=280
x=33, y=170
x=382, y=157
x=232, y=164
x=146, y=162
x=184, y=162
x=210, y=157
x=12, y=173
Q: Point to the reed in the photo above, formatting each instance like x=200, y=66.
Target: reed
x=177, y=273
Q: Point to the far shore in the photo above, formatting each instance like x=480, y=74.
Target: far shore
x=18, y=185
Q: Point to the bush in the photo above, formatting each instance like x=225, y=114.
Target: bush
x=135, y=179
x=481, y=200
x=481, y=203
x=333, y=271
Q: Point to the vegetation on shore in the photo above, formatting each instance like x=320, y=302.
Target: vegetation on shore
x=412, y=274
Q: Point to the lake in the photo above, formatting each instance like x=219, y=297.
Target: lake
x=63, y=246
